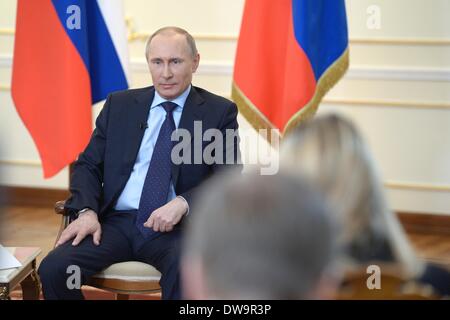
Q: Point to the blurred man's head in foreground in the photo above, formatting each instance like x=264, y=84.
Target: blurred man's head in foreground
x=259, y=237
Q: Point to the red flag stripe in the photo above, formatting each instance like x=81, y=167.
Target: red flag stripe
x=50, y=86
x=279, y=80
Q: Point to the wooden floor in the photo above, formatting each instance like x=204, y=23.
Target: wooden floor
x=38, y=227
x=23, y=226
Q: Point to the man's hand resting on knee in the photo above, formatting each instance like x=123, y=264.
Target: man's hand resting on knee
x=86, y=224
x=166, y=217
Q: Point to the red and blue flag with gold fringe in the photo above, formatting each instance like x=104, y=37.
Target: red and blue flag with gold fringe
x=290, y=53
x=68, y=54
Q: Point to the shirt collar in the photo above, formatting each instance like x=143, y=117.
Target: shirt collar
x=180, y=100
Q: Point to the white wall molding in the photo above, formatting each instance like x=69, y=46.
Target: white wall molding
x=7, y=32
x=6, y=61
x=225, y=68
x=389, y=184
x=403, y=185
x=20, y=162
x=398, y=74
x=388, y=103
x=134, y=35
x=412, y=41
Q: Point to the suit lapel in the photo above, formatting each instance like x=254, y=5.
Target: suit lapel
x=193, y=110
x=136, y=115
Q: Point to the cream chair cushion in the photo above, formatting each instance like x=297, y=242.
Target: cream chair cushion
x=130, y=270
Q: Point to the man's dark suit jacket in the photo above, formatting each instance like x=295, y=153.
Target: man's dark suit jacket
x=102, y=170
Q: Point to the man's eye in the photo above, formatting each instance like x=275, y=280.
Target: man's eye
x=176, y=61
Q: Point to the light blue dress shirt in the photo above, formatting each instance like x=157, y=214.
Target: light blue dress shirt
x=131, y=194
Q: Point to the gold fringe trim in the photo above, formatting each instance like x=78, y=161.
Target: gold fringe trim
x=255, y=117
x=326, y=82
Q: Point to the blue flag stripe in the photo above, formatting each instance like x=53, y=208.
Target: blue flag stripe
x=94, y=44
x=320, y=28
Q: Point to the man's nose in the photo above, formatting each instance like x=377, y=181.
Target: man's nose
x=167, y=72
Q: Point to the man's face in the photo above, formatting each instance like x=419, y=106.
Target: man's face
x=171, y=64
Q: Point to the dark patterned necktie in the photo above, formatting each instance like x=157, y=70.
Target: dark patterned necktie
x=156, y=185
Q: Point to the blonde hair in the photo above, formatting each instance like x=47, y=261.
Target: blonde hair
x=330, y=150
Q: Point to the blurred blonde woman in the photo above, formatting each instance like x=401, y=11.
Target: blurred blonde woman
x=331, y=151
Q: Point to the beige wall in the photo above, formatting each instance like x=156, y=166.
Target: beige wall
x=397, y=88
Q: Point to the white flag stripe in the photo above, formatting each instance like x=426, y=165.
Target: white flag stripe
x=113, y=14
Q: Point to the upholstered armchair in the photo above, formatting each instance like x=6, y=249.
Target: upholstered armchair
x=123, y=279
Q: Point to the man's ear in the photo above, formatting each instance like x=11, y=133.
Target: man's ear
x=196, y=63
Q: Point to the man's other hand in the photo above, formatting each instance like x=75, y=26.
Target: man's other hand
x=86, y=224
x=166, y=217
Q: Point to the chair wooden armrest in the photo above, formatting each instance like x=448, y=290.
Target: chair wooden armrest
x=66, y=217
x=59, y=208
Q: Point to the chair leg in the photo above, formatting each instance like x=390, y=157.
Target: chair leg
x=120, y=296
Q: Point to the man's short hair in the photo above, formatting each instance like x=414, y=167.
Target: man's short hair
x=171, y=30
x=261, y=237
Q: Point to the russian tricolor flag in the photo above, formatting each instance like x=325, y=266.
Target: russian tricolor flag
x=290, y=53
x=68, y=54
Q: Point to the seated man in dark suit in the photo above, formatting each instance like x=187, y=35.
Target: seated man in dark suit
x=129, y=190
